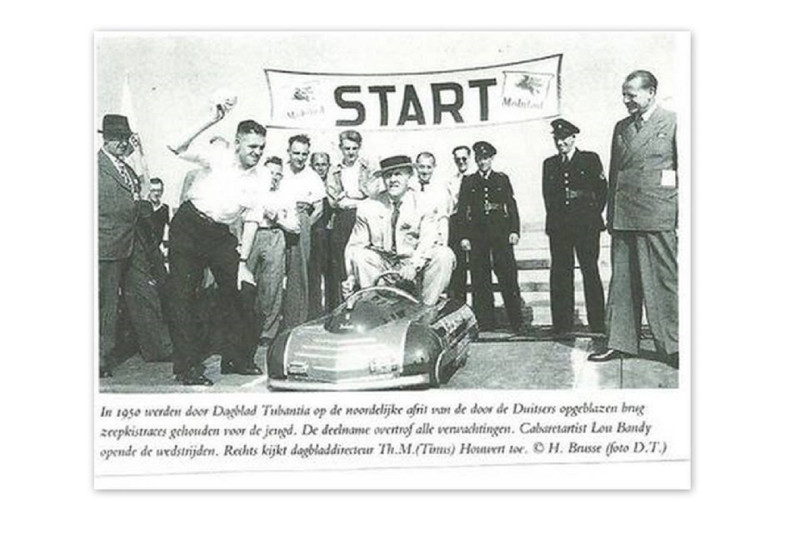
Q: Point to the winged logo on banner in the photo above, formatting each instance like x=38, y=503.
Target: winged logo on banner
x=304, y=93
x=529, y=83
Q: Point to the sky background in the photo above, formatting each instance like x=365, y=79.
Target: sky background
x=173, y=77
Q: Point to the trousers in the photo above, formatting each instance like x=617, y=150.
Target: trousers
x=320, y=272
x=298, y=249
x=434, y=276
x=644, y=270
x=564, y=246
x=196, y=242
x=267, y=262
x=343, y=222
x=494, y=254
x=458, y=281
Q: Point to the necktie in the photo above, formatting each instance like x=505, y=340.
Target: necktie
x=422, y=186
x=395, y=216
x=124, y=173
x=564, y=160
x=638, y=123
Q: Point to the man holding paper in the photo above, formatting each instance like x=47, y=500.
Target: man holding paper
x=642, y=220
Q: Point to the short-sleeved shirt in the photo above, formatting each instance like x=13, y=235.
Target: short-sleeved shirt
x=304, y=186
x=227, y=191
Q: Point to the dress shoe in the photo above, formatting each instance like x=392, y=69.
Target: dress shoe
x=606, y=355
x=104, y=372
x=187, y=379
x=229, y=367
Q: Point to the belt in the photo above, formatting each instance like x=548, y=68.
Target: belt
x=202, y=216
x=305, y=207
x=573, y=195
x=490, y=207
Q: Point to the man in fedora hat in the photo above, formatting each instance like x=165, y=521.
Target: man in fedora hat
x=117, y=216
x=124, y=247
x=574, y=189
x=489, y=230
x=399, y=230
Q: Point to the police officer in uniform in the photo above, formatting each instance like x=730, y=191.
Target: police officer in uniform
x=489, y=222
x=574, y=189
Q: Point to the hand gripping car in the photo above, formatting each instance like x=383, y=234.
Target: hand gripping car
x=381, y=337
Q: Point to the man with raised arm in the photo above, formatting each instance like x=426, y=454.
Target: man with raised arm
x=200, y=237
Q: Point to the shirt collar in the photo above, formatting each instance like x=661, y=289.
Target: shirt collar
x=119, y=163
x=570, y=154
x=649, y=113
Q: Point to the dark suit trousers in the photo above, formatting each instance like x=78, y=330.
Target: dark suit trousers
x=494, y=253
x=109, y=279
x=197, y=243
x=564, y=245
x=644, y=270
x=319, y=268
x=458, y=281
x=143, y=301
x=343, y=222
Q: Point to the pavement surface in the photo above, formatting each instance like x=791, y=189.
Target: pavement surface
x=497, y=361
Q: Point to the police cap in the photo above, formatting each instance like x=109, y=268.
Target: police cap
x=483, y=149
x=563, y=128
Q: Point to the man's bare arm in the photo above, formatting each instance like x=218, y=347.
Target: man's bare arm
x=221, y=111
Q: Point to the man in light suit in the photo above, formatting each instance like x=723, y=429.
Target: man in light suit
x=399, y=230
x=642, y=219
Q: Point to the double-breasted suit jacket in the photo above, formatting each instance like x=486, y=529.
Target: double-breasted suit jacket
x=643, y=192
x=643, y=217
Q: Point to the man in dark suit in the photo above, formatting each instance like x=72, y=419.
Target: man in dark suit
x=574, y=189
x=117, y=218
x=642, y=219
x=130, y=265
x=489, y=224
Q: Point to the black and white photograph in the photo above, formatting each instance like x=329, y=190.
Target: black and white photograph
x=390, y=250
x=271, y=217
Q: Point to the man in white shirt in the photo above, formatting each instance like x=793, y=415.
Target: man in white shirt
x=200, y=237
x=301, y=183
x=433, y=191
x=267, y=259
x=458, y=283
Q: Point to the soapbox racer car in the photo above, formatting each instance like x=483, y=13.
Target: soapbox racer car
x=381, y=337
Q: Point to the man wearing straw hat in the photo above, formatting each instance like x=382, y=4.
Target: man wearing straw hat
x=399, y=230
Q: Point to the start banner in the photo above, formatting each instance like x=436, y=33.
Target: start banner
x=498, y=94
